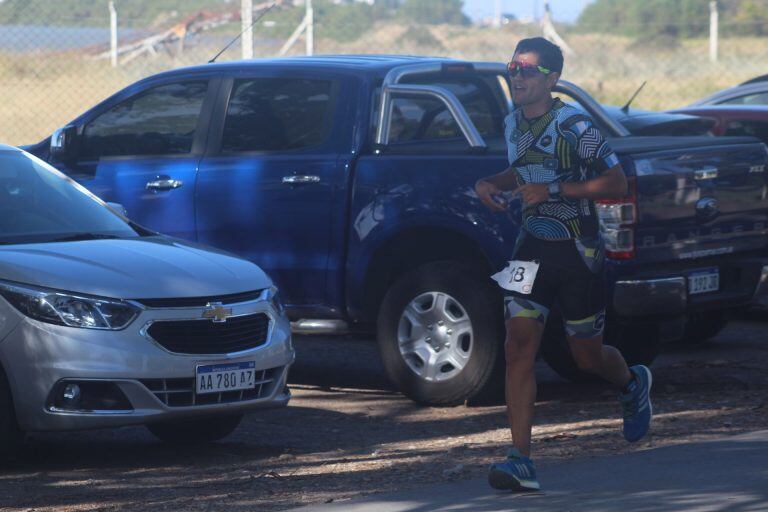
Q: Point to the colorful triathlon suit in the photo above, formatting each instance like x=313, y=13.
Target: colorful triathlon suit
x=562, y=235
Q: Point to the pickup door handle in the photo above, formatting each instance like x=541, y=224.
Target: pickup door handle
x=164, y=183
x=709, y=173
x=297, y=179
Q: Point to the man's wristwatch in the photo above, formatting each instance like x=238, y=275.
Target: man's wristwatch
x=555, y=190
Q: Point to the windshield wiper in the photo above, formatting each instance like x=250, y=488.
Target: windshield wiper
x=83, y=236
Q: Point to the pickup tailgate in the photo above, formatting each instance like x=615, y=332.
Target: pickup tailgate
x=697, y=196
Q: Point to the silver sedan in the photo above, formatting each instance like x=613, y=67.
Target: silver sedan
x=103, y=323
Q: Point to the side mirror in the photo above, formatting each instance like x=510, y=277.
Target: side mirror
x=64, y=142
x=119, y=209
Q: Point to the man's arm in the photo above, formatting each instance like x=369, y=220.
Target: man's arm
x=492, y=186
x=505, y=180
x=611, y=184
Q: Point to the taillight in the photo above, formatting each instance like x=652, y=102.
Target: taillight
x=617, y=220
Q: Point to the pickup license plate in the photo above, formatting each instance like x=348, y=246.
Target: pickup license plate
x=704, y=281
x=215, y=378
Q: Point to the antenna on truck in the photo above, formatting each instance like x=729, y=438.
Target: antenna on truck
x=625, y=108
x=261, y=15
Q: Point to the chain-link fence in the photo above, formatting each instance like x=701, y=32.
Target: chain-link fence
x=57, y=60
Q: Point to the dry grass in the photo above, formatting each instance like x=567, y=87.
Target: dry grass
x=44, y=90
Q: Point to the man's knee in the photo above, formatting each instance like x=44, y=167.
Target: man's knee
x=525, y=321
x=522, y=342
x=585, y=337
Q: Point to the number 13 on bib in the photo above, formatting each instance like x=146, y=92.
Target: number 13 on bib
x=518, y=276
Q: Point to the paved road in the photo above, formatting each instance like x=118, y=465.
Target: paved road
x=729, y=475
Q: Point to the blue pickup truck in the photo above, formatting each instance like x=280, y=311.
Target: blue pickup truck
x=349, y=179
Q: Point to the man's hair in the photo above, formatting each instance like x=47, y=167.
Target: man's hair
x=550, y=55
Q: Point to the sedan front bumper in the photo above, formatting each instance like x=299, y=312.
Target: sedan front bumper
x=40, y=359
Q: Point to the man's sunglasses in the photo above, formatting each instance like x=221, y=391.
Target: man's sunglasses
x=526, y=70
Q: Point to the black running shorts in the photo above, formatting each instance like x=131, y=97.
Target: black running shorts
x=571, y=276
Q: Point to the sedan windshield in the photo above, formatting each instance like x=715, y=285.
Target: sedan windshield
x=39, y=204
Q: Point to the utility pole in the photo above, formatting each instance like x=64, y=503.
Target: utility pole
x=497, y=13
x=713, y=29
x=113, y=33
x=246, y=9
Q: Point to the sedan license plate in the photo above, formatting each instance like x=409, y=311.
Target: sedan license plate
x=215, y=378
x=704, y=281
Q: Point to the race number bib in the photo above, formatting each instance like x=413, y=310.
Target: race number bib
x=518, y=276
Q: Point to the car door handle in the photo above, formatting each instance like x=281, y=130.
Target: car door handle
x=298, y=179
x=164, y=183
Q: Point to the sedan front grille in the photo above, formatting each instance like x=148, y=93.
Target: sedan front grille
x=181, y=392
x=208, y=337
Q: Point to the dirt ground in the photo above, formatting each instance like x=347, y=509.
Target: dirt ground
x=345, y=434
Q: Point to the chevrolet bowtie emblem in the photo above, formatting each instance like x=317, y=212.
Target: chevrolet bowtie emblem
x=217, y=312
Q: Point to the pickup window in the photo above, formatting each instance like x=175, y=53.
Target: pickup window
x=277, y=114
x=760, y=98
x=160, y=121
x=427, y=119
x=752, y=128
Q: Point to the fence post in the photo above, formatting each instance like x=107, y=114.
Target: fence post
x=246, y=16
x=713, y=28
x=113, y=33
x=310, y=28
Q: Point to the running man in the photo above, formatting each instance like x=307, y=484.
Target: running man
x=559, y=165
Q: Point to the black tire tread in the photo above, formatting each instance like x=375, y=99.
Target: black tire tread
x=11, y=437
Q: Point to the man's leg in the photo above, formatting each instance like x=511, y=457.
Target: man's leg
x=586, y=342
x=521, y=347
x=602, y=360
x=525, y=321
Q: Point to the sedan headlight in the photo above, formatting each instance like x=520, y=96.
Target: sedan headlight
x=62, y=308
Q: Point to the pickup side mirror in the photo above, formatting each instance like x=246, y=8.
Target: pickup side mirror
x=64, y=144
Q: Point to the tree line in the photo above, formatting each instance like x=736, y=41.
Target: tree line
x=677, y=18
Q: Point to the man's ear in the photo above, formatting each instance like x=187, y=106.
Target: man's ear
x=552, y=79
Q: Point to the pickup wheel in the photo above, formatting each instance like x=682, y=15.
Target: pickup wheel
x=638, y=342
x=440, y=333
x=700, y=327
x=195, y=430
x=11, y=436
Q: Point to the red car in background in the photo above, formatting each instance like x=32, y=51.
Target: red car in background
x=749, y=120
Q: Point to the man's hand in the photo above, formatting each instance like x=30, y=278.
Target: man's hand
x=533, y=193
x=486, y=191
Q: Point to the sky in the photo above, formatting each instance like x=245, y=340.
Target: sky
x=562, y=10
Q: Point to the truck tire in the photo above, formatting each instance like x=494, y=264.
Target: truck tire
x=638, y=342
x=11, y=437
x=440, y=333
x=195, y=430
x=699, y=327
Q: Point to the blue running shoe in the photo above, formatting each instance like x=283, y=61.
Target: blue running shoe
x=517, y=473
x=636, y=404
